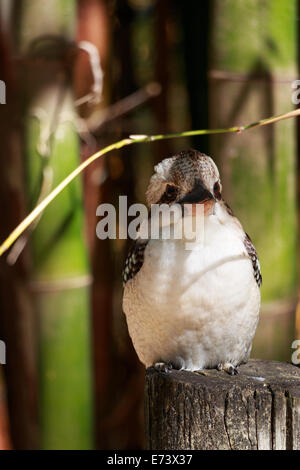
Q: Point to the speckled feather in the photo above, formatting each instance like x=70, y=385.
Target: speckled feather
x=254, y=258
x=134, y=260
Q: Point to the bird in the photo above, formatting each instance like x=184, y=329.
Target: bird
x=196, y=308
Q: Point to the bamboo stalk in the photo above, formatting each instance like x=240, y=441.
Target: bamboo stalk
x=5, y=439
x=60, y=272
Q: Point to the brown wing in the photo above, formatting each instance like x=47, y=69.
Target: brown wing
x=254, y=258
x=134, y=260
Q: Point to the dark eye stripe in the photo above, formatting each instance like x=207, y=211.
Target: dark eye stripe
x=217, y=190
x=169, y=195
x=171, y=190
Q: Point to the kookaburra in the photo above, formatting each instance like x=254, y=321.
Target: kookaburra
x=194, y=308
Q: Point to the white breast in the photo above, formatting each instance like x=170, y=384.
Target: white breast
x=195, y=308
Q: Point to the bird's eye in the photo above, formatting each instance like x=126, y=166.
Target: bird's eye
x=171, y=191
x=217, y=190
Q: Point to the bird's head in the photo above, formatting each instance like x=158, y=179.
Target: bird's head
x=190, y=177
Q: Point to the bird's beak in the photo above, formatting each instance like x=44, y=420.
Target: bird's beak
x=198, y=195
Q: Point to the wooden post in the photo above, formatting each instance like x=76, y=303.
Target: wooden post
x=257, y=409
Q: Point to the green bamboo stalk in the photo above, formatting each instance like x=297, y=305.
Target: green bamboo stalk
x=60, y=268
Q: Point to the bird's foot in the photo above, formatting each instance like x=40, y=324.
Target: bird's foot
x=229, y=368
x=163, y=366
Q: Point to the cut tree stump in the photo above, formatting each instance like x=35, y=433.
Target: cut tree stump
x=257, y=409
